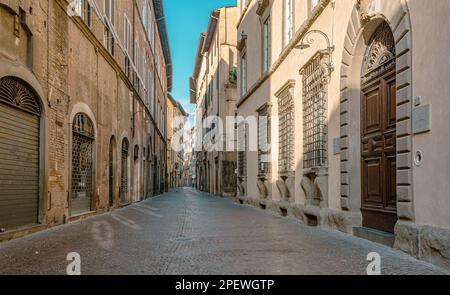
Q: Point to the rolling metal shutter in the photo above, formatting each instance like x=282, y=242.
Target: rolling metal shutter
x=19, y=167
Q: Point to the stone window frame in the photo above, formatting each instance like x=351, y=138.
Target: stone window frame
x=243, y=79
x=288, y=33
x=266, y=42
x=286, y=97
x=266, y=112
x=314, y=112
x=242, y=138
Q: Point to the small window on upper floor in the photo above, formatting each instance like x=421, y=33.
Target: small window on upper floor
x=86, y=12
x=243, y=74
x=266, y=39
x=288, y=21
x=110, y=11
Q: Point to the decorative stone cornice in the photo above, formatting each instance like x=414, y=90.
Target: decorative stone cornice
x=288, y=87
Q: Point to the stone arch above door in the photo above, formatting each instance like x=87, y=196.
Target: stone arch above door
x=366, y=16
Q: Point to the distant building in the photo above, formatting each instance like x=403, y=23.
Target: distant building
x=213, y=90
x=176, y=118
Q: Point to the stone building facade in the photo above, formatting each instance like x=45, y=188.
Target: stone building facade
x=213, y=90
x=83, y=90
x=356, y=96
x=176, y=118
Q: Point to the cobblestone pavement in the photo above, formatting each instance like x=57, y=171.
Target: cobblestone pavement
x=188, y=232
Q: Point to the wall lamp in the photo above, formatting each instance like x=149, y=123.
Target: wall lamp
x=307, y=41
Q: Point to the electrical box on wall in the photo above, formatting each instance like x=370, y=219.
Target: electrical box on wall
x=421, y=119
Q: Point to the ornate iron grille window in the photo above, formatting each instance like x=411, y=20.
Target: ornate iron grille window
x=264, y=125
x=242, y=149
x=16, y=93
x=82, y=161
x=124, y=172
x=314, y=113
x=286, y=128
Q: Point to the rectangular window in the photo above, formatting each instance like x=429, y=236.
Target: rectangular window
x=110, y=11
x=286, y=131
x=127, y=43
x=266, y=45
x=264, y=126
x=243, y=74
x=109, y=39
x=86, y=12
x=288, y=21
x=242, y=149
x=314, y=114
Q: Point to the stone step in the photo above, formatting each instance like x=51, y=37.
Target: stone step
x=374, y=235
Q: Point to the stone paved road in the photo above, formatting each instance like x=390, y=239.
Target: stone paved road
x=187, y=232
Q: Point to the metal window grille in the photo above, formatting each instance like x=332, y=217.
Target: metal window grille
x=314, y=115
x=82, y=158
x=264, y=166
x=286, y=132
x=242, y=150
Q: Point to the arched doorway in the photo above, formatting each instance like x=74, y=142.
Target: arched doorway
x=378, y=132
x=111, y=170
x=82, y=181
x=20, y=115
x=124, y=187
x=137, y=174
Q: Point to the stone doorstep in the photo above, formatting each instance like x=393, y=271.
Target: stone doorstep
x=81, y=216
x=376, y=236
x=22, y=232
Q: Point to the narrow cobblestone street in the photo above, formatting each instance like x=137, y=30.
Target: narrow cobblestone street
x=188, y=232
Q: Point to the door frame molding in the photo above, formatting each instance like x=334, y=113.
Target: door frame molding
x=359, y=31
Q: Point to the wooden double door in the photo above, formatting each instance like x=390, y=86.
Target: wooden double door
x=379, y=153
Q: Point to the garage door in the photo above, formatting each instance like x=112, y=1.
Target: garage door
x=19, y=167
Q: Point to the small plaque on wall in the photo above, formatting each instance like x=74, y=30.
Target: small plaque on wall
x=421, y=119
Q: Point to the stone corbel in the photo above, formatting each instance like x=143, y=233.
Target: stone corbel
x=315, y=187
x=286, y=187
x=263, y=187
x=242, y=186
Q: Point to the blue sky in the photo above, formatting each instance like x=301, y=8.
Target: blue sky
x=186, y=19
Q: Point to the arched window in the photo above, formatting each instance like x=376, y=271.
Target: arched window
x=124, y=171
x=82, y=164
x=111, y=174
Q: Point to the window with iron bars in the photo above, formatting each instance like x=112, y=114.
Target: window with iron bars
x=264, y=126
x=314, y=114
x=286, y=130
x=242, y=149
